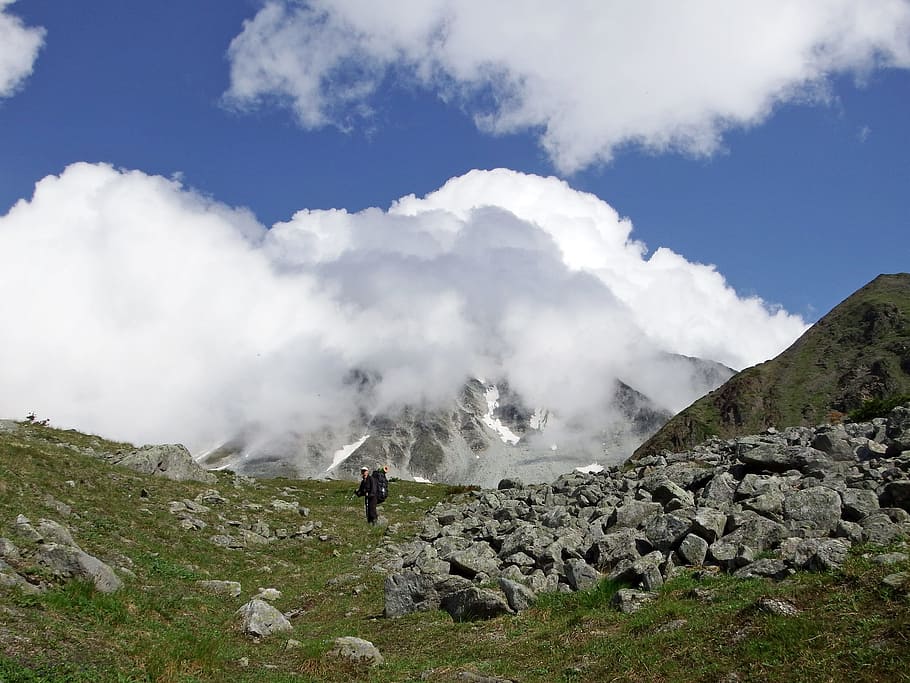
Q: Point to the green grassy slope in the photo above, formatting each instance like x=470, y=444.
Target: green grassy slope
x=859, y=351
x=161, y=627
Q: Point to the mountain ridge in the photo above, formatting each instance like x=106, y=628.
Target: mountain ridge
x=859, y=351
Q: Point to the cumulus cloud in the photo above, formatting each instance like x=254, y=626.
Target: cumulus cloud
x=19, y=46
x=589, y=77
x=139, y=309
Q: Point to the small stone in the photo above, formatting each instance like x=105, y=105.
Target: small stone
x=780, y=608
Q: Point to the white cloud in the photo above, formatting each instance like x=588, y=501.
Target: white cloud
x=588, y=76
x=19, y=46
x=136, y=308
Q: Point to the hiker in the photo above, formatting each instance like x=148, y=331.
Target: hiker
x=368, y=489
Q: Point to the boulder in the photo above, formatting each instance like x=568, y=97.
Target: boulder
x=474, y=604
x=580, y=575
x=171, y=461
x=70, y=562
x=258, y=618
x=356, y=650
x=814, y=554
x=519, y=596
x=628, y=601
x=408, y=592
x=780, y=459
x=819, y=505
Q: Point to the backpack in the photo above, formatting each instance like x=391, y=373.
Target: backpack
x=382, y=485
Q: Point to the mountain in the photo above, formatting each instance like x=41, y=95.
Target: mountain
x=486, y=433
x=857, y=352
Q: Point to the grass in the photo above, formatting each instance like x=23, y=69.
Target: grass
x=163, y=627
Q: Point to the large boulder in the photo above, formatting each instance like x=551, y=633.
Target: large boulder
x=817, y=505
x=71, y=562
x=408, y=591
x=171, y=461
x=259, y=618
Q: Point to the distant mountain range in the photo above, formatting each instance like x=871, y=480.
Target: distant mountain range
x=858, y=352
x=484, y=434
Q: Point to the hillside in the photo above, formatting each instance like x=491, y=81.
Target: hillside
x=857, y=352
x=189, y=554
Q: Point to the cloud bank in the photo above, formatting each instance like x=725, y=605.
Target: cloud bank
x=136, y=308
x=588, y=77
x=19, y=46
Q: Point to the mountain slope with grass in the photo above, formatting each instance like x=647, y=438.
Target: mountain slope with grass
x=858, y=352
x=190, y=554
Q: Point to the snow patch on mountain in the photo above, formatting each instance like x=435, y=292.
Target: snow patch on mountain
x=490, y=420
x=345, y=452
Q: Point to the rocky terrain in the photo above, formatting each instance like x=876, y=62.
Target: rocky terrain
x=765, y=506
x=152, y=569
x=859, y=351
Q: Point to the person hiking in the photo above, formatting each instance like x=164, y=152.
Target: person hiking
x=369, y=493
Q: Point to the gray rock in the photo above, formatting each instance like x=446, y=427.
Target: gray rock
x=356, y=650
x=25, y=531
x=817, y=504
x=519, y=596
x=614, y=548
x=666, y=531
x=886, y=559
x=769, y=504
x=709, y=524
x=634, y=513
x=668, y=491
x=693, y=550
x=835, y=442
x=259, y=618
x=781, y=608
x=9, y=578
x=858, y=503
x=764, y=568
x=781, y=459
x=8, y=550
x=474, y=604
x=580, y=575
x=409, y=592
x=628, y=601
x=171, y=461
x=479, y=558
x=755, y=531
x=70, y=562
x=879, y=528
x=719, y=492
x=814, y=554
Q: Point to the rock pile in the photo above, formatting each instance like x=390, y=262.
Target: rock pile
x=248, y=527
x=764, y=505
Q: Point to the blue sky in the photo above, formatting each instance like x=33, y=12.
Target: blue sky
x=801, y=209
x=789, y=172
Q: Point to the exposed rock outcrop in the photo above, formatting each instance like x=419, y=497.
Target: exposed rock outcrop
x=51, y=547
x=764, y=505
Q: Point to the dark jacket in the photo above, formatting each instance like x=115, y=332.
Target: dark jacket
x=368, y=487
